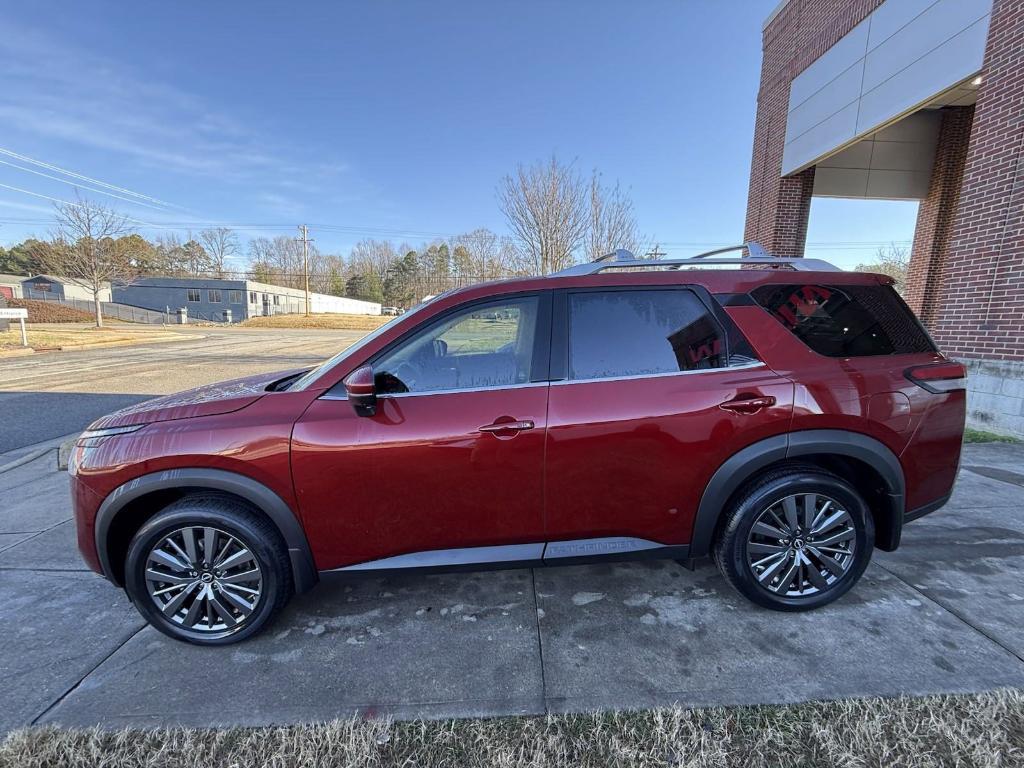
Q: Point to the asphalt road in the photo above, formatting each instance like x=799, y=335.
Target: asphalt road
x=52, y=394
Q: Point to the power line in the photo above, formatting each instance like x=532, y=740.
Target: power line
x=81, y=186
x=75, y=175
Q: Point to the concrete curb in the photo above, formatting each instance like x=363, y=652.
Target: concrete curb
x=26, y=459
x=120, y=343
x=16, y=352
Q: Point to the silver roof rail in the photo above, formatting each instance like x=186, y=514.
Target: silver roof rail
x=623, y=259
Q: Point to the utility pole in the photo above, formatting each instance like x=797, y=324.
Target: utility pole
x=655, y=252
x=305, y=261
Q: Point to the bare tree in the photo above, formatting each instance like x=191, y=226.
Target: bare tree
x=892, y=260
x=220, y=244
x=545, y=206
x=612, y=224
x=87, y=247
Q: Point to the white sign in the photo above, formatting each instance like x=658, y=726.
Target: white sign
x=13, y=314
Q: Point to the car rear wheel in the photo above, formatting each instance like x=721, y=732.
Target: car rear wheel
x=796, y=539
x=208, y=570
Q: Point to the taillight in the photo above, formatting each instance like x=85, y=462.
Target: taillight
x=939, y=378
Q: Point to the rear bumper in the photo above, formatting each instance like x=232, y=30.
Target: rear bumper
x=927, y=509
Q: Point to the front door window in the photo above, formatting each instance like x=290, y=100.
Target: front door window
x=481, y=347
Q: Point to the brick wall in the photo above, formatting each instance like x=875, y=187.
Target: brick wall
x=982, y=306
x=936, y=214
x=778, y=208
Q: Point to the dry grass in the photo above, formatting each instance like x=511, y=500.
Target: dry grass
x=965, y=730
x=333, y=322
x=72, y=336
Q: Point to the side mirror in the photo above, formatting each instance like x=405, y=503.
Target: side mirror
x=362, y=391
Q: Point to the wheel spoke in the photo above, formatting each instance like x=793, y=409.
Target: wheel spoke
x=815, y=577
x=810, y=506
x=241, y=556
x=195, y=608
x=821, y=514
x=789, y=507
x=830, y=522
x=771, y=532
x=209, y=544
x=172, y=607
x=757, y=548
x=188, y=535
x=787, y=577
x=241, y=578
x=236, y=600
x=770, y=573
x=168, y=559
x=221, y=609
x=167, y=578
x=833, y=566
x=836, y=538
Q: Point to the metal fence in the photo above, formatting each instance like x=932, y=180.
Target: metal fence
x=110, y=310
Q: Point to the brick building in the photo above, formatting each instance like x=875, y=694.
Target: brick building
x=913, y=100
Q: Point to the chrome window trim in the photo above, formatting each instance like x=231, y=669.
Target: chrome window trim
x=743, y=367
x=446, y=391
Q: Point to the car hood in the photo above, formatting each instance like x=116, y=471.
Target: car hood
x=209, y=400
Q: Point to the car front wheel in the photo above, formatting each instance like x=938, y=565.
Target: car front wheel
x=796, y=539
x=208, y=570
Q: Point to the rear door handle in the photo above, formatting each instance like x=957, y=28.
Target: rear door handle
x=748, y=405
x=508, y=426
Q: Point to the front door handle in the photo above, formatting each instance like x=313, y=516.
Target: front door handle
x=507, y=426
x=748, y=405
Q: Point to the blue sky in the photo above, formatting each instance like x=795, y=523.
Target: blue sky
x=393, y=119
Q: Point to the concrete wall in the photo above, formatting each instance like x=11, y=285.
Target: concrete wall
x=995, y=396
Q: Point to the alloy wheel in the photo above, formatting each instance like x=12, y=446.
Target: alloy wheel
x=801, y=545
x=204, y=579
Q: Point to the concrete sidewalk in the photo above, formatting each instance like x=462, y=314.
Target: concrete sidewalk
x=943, y=614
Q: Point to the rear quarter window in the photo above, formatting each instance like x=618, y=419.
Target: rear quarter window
x=847, y=320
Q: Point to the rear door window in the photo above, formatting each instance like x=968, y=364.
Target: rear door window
x=614, y=334
x=846, y=321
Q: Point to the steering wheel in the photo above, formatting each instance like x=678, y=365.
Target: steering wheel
x=408, y=373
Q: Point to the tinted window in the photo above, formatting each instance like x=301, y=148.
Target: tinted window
x=193, y=294
x=846, y=321
x=633, y=333
x=489, y=345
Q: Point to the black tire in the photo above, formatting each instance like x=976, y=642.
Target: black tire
x=237, y=520
x=731, y=547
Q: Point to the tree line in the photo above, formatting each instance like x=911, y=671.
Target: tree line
x=556, y=216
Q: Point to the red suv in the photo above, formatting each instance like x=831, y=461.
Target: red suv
x=779, y=415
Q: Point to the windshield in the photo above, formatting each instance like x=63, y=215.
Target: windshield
x=307, y=380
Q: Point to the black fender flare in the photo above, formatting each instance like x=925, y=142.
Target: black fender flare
x=260, y=496
x=744, y=464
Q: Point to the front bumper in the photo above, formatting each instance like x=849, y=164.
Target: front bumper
x=85, y=504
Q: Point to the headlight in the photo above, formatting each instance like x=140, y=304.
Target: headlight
x=92, y=438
